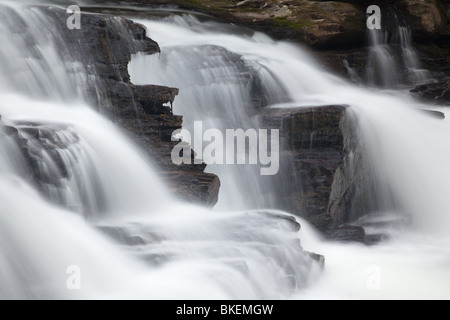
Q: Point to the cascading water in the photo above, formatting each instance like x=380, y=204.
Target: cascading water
x=192, y=252
x=83, y=164
x=32, y=61
x=414, y=69
x=382, y=68
x=220, y=88
x=392, y=61
x=408, y=149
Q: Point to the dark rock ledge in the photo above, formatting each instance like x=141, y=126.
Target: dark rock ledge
x=330, y=182
x=104, y=45
x=437, y=92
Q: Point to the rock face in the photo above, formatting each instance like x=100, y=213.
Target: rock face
x=424, y=17
x=438, y=93
x=330, y=184
x=336, y=30
x=52, y=157
x=328, y=24
x=37, y=141
x=104, y=45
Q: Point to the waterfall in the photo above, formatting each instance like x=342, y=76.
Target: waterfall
x=76, y=194
x=408, y=147
x=382, y=67
x=224, y=84
x=377, y=112
x=415, y=72
x=392, y=61
x=98, y=207
x=32, y=63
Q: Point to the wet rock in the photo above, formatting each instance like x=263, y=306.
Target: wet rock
x=104, y=46
x=316, y=23
x=8, y=130
x=347, y=233
x=320, y=259
x=337, y=29
x=329, y=180
x=132, y=234
x=230, y=239
x=437, y=93
x=381, y=225
x=152, y=98
x=291, y=221
x=43, y=146
x=434, y=114
x=123, y=236
x=313, y=141
x=194, y=186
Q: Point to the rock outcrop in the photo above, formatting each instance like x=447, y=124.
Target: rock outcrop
x=50, y=156
x=328, y=24
x=336, y=30
x=437, y=93
x=331, y=182
x=104, y=45
x=425, y=18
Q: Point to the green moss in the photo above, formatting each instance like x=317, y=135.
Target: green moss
x=291, y=24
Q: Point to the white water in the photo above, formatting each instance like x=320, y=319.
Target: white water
x=393, y=61
x=182, y=251
x=409, y=149
x=227, y=255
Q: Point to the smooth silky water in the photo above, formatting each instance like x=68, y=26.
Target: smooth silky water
x=409, y=149
x=189, y=252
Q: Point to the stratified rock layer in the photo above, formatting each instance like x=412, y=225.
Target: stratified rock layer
x=331, y=179
x=104, y=45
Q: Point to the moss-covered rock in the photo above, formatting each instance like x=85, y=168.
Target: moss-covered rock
x=320, y=24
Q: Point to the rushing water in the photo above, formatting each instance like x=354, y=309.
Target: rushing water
x=173, y=250
x=392, y=60
x=163, y=249
x=408, y=148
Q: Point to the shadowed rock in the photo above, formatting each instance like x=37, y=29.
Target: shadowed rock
x=329, y=182
x=437, y=93
x=104, y=45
